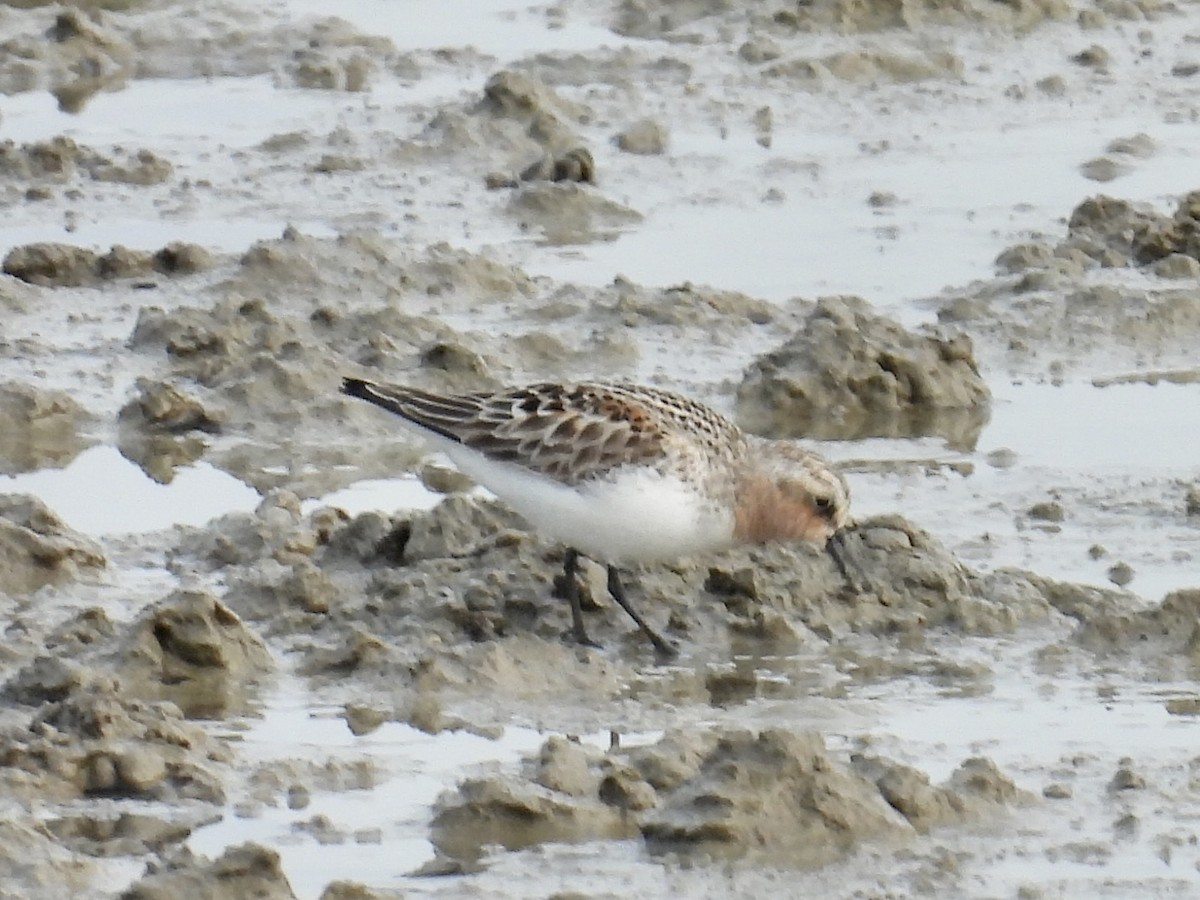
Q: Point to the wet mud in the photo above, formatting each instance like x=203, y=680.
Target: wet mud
x=999, y=701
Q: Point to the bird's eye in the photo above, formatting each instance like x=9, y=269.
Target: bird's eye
x=826, y=508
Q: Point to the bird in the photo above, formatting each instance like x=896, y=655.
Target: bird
x=625, y=473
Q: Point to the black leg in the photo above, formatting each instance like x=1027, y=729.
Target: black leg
x=571, y=586
x=618, y=593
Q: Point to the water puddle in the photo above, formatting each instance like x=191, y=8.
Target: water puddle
x=817, y=234
x=102, y=493
x=212, y=112
x=387, y=494
x=1141, y=428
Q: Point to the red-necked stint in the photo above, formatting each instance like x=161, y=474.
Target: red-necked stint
x=624, y=473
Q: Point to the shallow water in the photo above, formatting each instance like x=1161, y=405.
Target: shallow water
x=1039, y=725
x=1076, y=730
x=972, y=171
x=385, y=827
x=384, y=494
x=1139, y=429
x=209, y=112
x=954, y=211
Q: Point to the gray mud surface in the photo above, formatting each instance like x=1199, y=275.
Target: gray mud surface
x=258, y=643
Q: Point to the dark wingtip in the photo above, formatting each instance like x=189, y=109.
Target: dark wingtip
x=355, y=387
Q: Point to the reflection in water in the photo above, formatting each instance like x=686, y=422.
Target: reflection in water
x=959, y=428
x=160, y=455
x=38, y=429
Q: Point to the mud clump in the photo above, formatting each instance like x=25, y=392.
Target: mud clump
x=535, y=106
x=569, y=214
x=461, y=596
x=158, y=428
x=37, y=548
x=774, y=793
x=866, y=67
x=850, y=373
x=96, y=742
x=64, y=265
x=267, y=365
x=144, y=168
x=248, y=870
x=670, y=21
x=1062, y=303
x=163, y=407
x=268, y=542
x=269, y=352
x=813, y=812
x=53, y=265
x=75, y=59
x=527, y=119
x=125, y=834
x=193, y=650
x=1114, y=232
x=646, y=137
x=38, y=428
x=55, y=160
x=336, y=57
x=518, y=812
x=1166, y=632
x=574, y=165
x=60, y=160
x=1109, y=232
x=975, y=790
x=1164, y=637
x=35, y=863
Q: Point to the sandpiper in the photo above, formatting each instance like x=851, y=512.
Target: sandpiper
x=624, y=473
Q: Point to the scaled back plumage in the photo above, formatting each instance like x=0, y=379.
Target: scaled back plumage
x=569, y=432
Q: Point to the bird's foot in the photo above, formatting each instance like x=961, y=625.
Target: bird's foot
x=580, y=637
x=662, y=647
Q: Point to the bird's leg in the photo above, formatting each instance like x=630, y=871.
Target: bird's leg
x=618, y=593
x=571, y=586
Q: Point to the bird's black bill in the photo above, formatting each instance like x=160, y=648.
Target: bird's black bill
x=839, y=552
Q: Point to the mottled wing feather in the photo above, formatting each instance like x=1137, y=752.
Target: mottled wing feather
x=567, y=432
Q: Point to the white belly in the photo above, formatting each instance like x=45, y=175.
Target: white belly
x=638, y=516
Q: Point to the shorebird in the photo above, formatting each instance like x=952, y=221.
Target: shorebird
x=624, y=474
